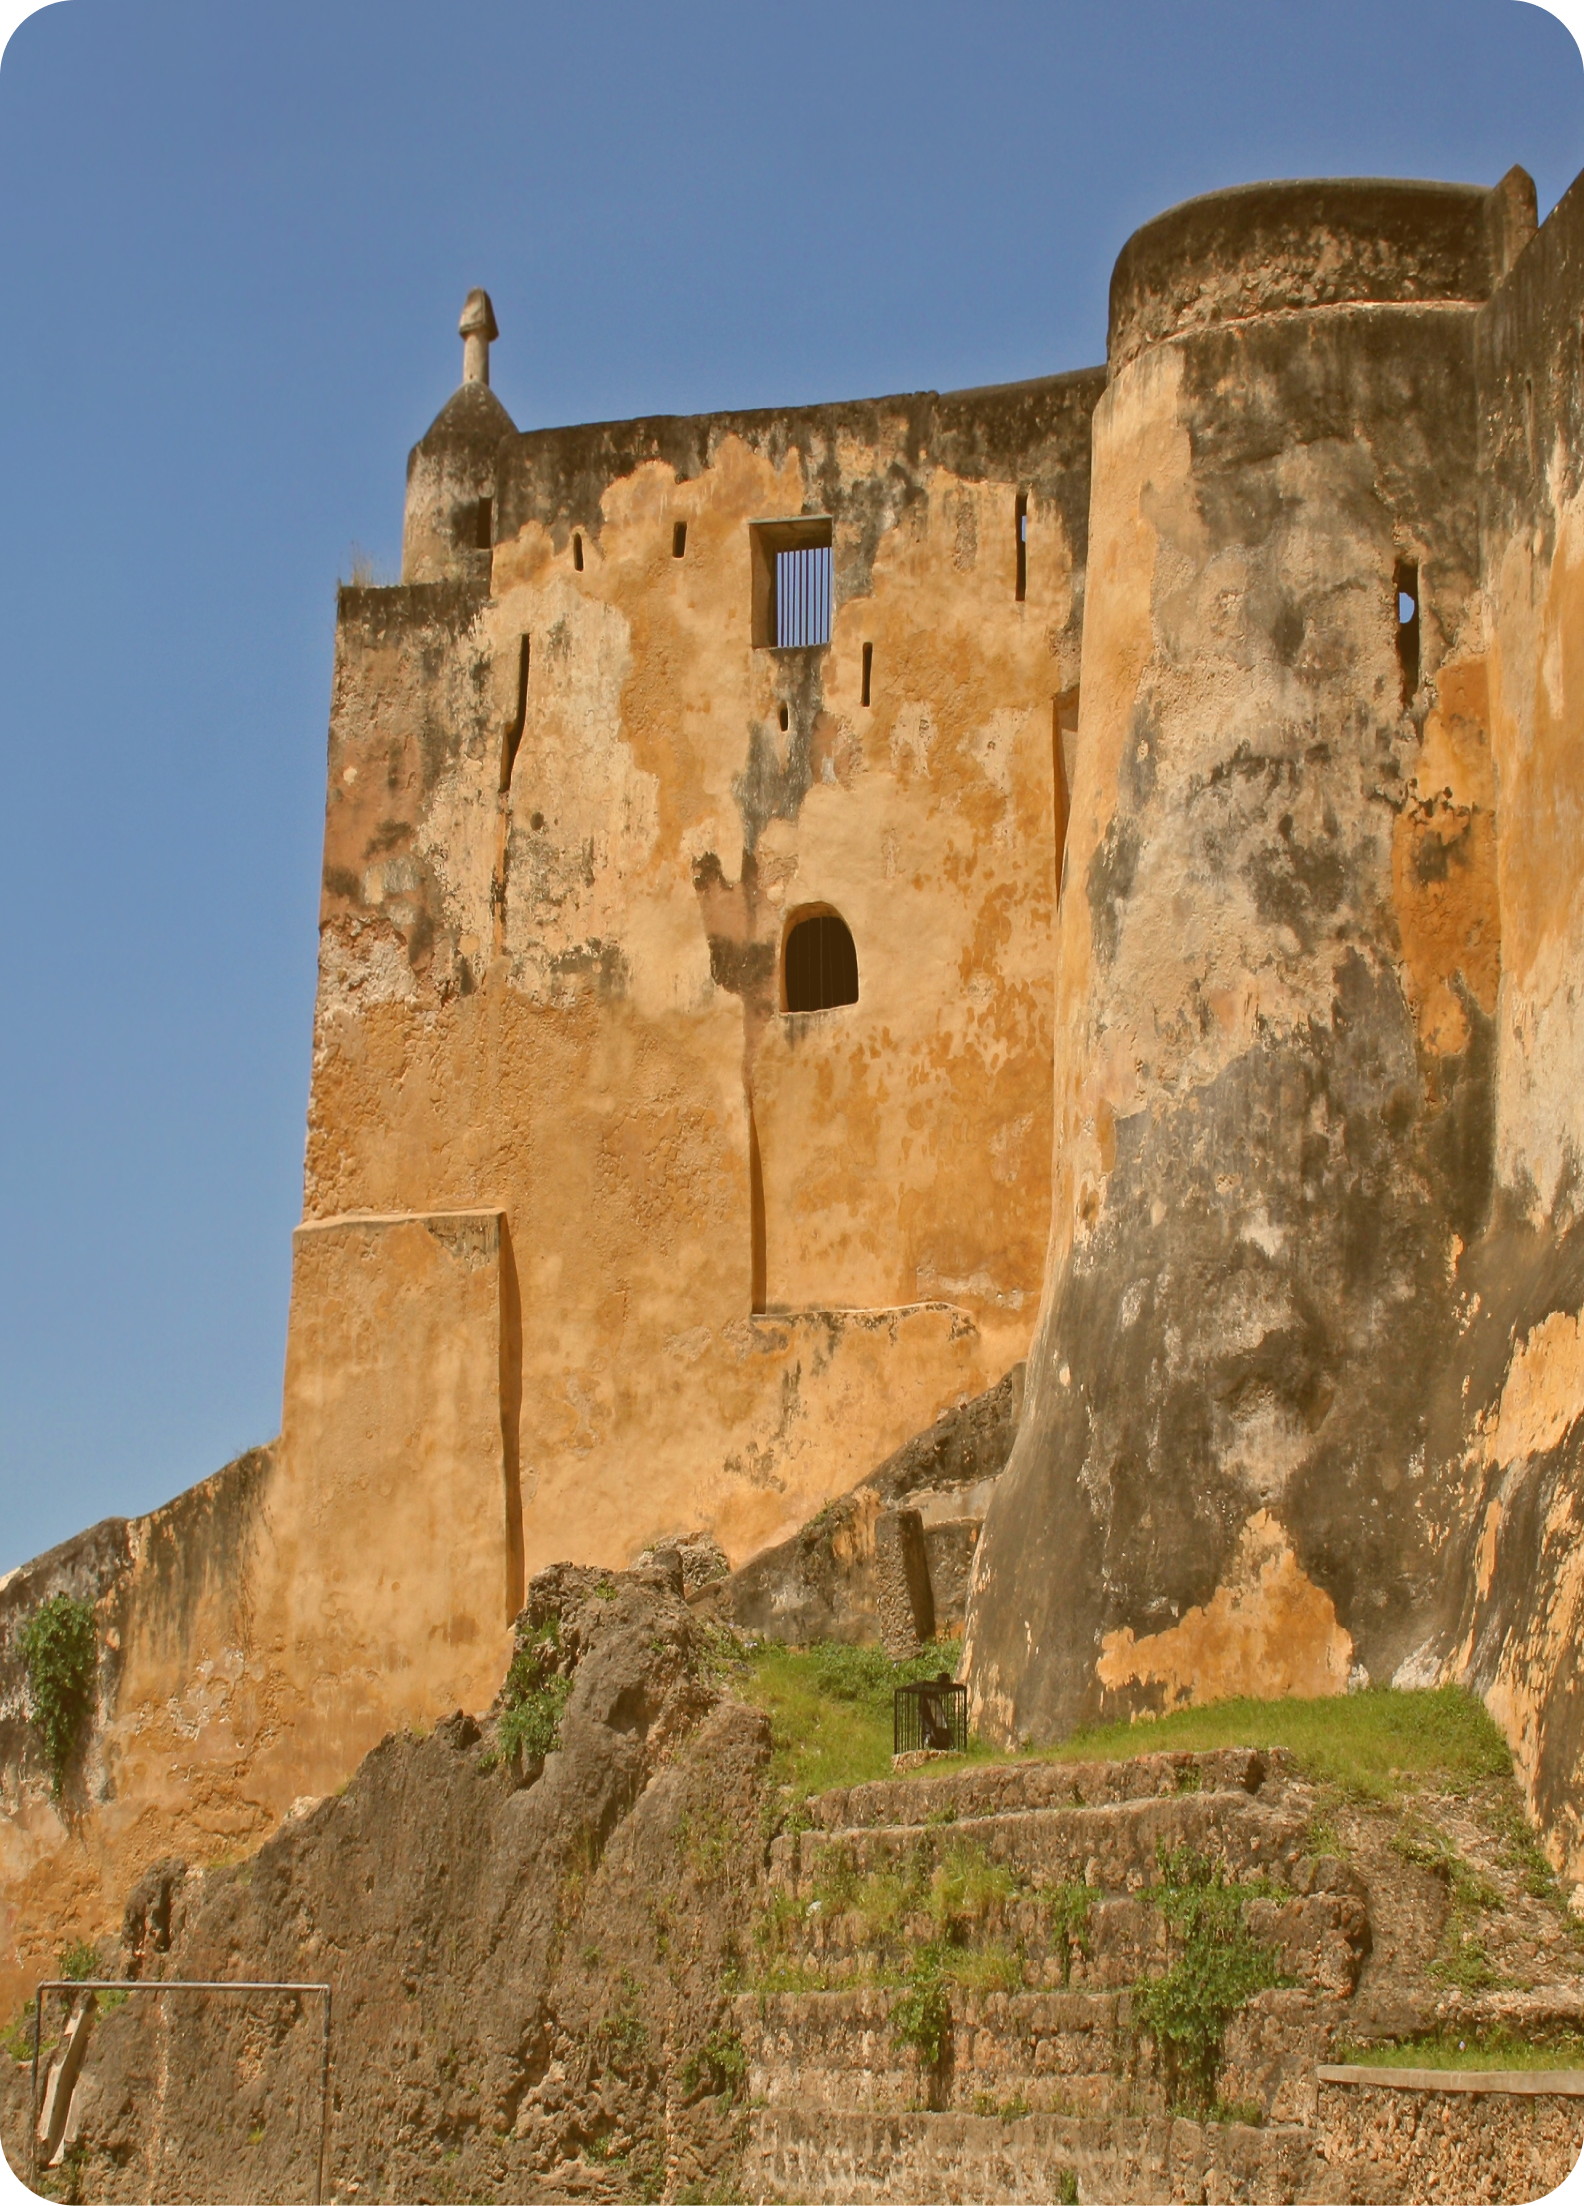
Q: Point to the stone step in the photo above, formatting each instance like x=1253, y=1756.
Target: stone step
x=1112, y=1848
x=864, y=2159
x=1070, y=2051
x=1056, y=2051
x=964, y=1795
x=1320, y=1940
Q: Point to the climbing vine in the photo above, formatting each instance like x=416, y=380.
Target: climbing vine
x=60, y=1649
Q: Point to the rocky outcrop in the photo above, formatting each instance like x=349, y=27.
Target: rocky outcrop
x=617, y=1969
x=526, y=1957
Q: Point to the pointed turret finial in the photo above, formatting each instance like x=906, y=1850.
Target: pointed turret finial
x=476, y=330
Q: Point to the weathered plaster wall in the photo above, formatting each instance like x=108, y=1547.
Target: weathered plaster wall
x=1277, y=967
x=392, y=1563
x=554, y=911
x=183, y=1698
x=1516, y=1590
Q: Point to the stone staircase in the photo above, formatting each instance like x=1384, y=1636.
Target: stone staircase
x=946, y=1999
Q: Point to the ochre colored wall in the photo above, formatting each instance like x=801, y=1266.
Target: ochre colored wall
x=185, y=1694
x=562, y=997
x=1516, y=1578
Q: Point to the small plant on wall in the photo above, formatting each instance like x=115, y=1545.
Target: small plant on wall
x=60, y=1648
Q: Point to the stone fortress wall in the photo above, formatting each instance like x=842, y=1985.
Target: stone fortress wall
x=1277, y=1043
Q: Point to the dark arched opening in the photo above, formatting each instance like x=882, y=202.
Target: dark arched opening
x=819, y=966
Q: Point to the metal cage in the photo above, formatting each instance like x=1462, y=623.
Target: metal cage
x=931, y=1714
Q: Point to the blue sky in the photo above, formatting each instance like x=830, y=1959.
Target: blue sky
x=234, y=240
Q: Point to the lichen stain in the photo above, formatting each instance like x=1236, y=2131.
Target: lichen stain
x=1268, y=1630
x=1543, y=1396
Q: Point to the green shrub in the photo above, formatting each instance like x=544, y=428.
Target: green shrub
x=1069, y=1906
x=1221, y=1966
x=78, y=1962
x=966, y=1886
x=719, y=2065
x=535, y=1696
x=921, y=2018
x=533, y=1727
x=60, y=1649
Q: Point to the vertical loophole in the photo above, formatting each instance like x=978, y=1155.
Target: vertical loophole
x=577, y=550
x=1407, y=586
x=785, y=716
x=678, y=539
x=757, y=1266
x=1022, y=545
x=1064, y=719
x=483, y=532
x=515, y=731
x=868, y=669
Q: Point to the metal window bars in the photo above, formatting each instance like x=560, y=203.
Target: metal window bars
x=930, y=1715
x=77, y=1985
x=803, y=597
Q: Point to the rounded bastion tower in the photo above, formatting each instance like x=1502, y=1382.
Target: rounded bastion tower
x=1277, y=960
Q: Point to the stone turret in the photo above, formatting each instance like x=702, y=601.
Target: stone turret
x=448, y=532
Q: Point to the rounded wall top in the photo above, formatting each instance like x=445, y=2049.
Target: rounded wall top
x=1278, y=248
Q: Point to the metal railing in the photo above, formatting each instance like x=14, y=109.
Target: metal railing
x=930, y=1715
x=76, y=1985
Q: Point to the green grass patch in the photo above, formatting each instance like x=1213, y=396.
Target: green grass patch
x=1372, y=1745
x=966, y=1887
x=830, y=1718
x=1068, y=1906
x=78, y=1961
x=830, y=1708
x=1484, y=2050
x=994, y=1968
x=1001, y=2110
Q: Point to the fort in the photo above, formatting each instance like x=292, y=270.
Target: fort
x=966, y=1003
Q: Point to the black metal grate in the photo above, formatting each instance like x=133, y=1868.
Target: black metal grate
x=931, y=1714
x=803, y=597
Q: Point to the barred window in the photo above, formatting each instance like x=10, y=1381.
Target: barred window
x=792, y=584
